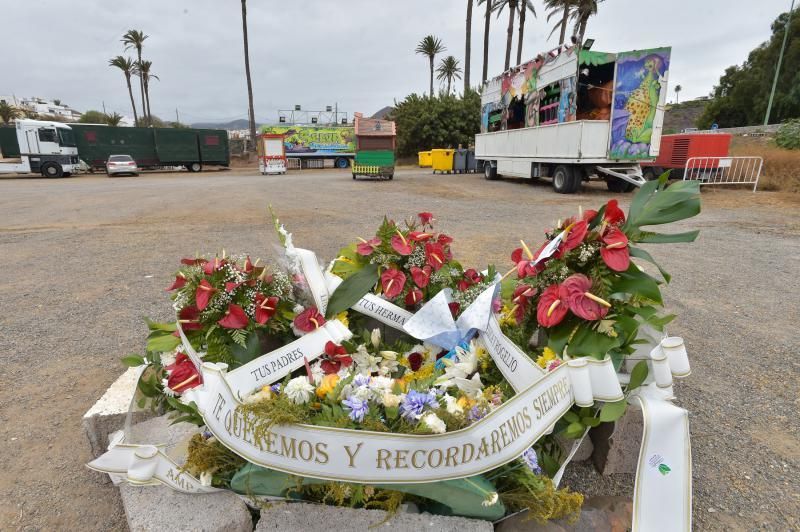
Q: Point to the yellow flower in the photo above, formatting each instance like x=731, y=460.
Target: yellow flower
x=342, y=316
x=465, y=402
x=546, y=357
x=507, y=317
x=327, y=385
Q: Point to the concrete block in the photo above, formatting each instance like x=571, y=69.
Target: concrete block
x=584, y=452
x=320, y=518
x=108, y=414
x=612, y=514
x=616, y=445
x=159, y=508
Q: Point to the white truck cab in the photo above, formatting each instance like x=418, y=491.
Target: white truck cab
x=46, y=148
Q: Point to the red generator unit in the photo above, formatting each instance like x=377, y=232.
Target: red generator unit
x=677, y=149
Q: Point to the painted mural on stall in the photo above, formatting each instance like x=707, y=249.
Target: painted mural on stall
x=640, y=88
x=537, y=104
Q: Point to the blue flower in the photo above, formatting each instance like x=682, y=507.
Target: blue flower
x=414, y=403
x=532, y=461
x=276, y=388
x=358, y=408
x=475, y=413
x=361, y=380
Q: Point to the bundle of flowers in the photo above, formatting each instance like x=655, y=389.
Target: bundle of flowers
x=578, y=295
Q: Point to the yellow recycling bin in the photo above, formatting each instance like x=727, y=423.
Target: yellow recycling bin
x=442, y=160
x=425, y=159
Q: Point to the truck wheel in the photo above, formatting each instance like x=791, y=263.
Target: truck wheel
x=341, y=162
x=489, y=171
x=650, y=174
x=52, y=170
x=618, y=185
x=564, y=180
x=194, y=167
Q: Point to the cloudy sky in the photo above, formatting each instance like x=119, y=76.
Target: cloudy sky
x=357, y=53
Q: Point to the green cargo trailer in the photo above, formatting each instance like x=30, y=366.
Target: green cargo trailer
x=214, y=148
x=153, y=147
x=9, y=147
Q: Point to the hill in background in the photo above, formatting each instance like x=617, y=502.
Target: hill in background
x=680, y=116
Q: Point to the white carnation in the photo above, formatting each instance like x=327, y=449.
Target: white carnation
x=391, y=400
x=299, y=390
x=433, y=422
x=452, y=405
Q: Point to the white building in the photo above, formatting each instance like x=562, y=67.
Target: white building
x=43, y=106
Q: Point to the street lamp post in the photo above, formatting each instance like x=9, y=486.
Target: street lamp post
x=778, y=67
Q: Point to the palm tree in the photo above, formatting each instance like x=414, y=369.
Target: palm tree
x=468, y=46
x=113, y=119
x=250, y=110
x=581, y=11
x=127, y=66
x=430, y=46
x=8, y=112
x=142, y=69
x=135, y=39
x=512, y=10
x=562, y=8
x=524, y=7
x=448, y=70
x=678, y=89
x=486, y=24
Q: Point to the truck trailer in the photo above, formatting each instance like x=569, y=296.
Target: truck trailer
x=153, y=147
x=572, y=114
x=38, y=147
x=313, y=145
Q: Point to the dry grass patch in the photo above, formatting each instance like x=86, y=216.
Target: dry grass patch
x=781, y=170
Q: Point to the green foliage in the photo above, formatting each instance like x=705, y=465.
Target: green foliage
x=521, y=489
x=445, y=121
x=8, y=112
x=352, y=289
x=638, y=375
x=613, y=411
x=210, y=456
x=92, y=117
x=789, y=135
x=740, y=98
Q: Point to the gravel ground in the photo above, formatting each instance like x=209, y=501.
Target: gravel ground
x=85, y=258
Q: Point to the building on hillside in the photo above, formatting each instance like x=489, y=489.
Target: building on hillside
x=43, y=106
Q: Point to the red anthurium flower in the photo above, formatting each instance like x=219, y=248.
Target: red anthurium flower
x=551, y=309
x=180, y=282
x=421, y=276
x=615, y=252
x=473, y=275
x=336, y=358
x=463, y=284
x=193, y=262
x=248, y=266
x=443, y=239
x=189, y=318
x=265, y=308
x=419, y=236
x=415, y=361
x=211, y=266
x=576, y=234
x=434, y=254
x=366, y=247
x=234, y=318
x=392, y=282
x=589, y=214
x=183, y=375
x=614, y=214
x=455, y=308
x=203, y=294
x=413, y=297
x=309, y=320
x=575, y=291
x=516, y=255
x=230, y=287
x=521, y=299
x=400, y=244
x=426, y=218
x=525, y=267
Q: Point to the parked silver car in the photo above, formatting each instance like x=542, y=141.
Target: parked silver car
x=121, y=164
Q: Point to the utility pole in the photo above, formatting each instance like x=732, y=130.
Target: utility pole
x=778, y=68
x=104, y=103
x=177, y=117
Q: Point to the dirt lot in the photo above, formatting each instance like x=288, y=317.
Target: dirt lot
x=85, y=258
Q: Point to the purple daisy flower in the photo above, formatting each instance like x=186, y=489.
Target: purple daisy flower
x=414, y=403
x=358, y=408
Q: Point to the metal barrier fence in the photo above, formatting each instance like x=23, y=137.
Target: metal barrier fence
x=724, y=170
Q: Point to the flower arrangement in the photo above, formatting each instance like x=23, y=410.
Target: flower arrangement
x=578, y=295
